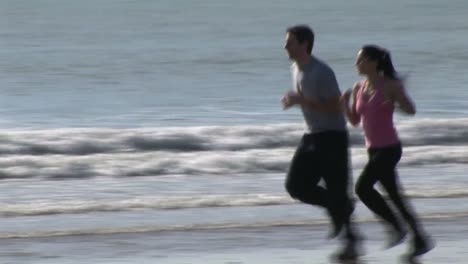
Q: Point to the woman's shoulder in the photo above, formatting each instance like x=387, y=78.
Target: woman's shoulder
x=393, y=87
x=357, y=85
x=393, y=83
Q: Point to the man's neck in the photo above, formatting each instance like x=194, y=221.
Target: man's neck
x=303, y=61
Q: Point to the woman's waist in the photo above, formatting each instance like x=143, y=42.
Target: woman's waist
x=380, y=132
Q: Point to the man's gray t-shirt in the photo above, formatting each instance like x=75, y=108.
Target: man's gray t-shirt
x=317, y=82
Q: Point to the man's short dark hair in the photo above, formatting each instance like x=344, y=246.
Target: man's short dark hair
x=303, y=33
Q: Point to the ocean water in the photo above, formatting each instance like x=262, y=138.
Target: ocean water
x=147, y=117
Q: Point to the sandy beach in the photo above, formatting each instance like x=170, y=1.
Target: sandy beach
x=273, y=245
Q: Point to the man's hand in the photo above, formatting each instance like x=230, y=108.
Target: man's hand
x=291, y=98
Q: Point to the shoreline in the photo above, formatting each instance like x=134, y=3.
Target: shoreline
x=278, y=245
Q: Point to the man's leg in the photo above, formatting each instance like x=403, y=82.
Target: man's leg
x=336, y=176
x=304, y=175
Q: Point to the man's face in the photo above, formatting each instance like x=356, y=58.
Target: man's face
x=293, y=47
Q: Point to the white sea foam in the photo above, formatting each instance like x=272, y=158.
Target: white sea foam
x=216, y=150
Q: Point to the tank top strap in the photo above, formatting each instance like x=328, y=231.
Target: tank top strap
x=360, y=91
x=363, y=85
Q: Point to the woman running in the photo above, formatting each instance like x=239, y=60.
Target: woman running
x=373, y=104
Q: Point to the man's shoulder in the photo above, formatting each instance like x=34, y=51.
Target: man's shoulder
x=322, y=66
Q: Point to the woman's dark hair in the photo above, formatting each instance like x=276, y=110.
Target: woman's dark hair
x=384, y=61
x=303, y=33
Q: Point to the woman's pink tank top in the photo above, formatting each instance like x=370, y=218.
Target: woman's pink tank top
x=377, y=118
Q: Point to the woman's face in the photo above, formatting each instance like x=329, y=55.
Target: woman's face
x=364, y=65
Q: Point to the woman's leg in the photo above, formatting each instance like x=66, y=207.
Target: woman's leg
x=391, y=184
x=376, y=168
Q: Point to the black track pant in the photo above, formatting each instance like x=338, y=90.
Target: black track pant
x=381, y=167
x=323, y=156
